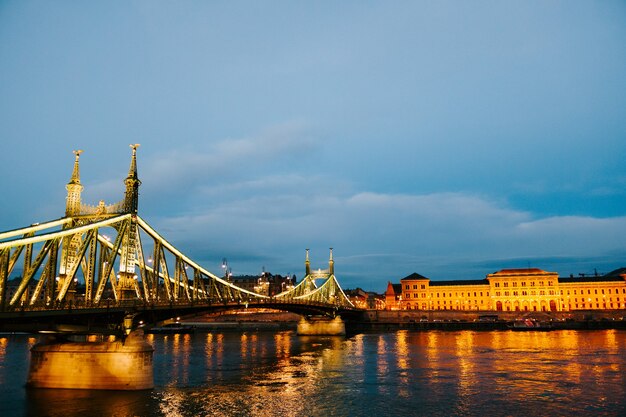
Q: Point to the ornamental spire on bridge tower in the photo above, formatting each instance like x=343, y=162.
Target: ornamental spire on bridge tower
x=331, y=263
x=74, y=188
x=307, y=264
x=131, y=198
x=69, y=260
x=127, y=281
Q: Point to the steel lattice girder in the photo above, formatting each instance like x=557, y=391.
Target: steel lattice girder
x=83, y=254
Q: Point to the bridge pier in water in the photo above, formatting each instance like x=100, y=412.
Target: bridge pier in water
x=113, y=365
x=321, y=326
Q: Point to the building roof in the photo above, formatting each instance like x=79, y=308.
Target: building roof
x=521, y=271
x=459, y=282
x=393, y=289
x=415, y=276
x=603, y=278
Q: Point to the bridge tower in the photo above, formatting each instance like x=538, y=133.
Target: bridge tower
x=74, y=189
x=127, y=279
x=69, y=259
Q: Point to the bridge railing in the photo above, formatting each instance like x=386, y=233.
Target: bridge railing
x=71, y=305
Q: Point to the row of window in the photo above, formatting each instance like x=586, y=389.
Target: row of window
x=597, y=305
x=422, y=286
x=466, y=302
x=523, y=284
x=517, y=293
x=596, y=291
x=524, y=292
x=443, y=295
x=597, y=300
x=581, y=306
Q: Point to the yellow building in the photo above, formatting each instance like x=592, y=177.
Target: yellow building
x=528, y=289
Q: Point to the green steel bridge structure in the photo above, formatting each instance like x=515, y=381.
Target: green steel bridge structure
x=125, y=271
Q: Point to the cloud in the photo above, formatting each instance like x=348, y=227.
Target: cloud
x=184, y=170
x=380, y=236
x=229, y=158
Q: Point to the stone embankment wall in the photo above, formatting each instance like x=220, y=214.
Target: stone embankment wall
x=484, y=320
x=402, y=316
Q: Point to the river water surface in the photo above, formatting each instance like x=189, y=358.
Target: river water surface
x=403, y=373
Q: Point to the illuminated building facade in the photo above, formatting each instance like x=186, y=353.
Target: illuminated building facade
x=528, y=289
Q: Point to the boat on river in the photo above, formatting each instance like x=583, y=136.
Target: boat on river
x=530, y=325
x=172, y=328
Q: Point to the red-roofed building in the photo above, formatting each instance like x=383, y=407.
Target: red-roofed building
x=393, y=297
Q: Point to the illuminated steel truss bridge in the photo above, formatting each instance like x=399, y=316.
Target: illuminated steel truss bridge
x=99, y=264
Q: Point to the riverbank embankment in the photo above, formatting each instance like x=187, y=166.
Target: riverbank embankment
x=389, y=320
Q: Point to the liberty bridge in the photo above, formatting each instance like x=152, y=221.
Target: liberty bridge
x=129, y=272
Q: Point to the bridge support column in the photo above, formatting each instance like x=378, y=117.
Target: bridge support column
x=93, y=365
x=321, y=326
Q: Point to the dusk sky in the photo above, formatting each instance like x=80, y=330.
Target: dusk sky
x=451, y=139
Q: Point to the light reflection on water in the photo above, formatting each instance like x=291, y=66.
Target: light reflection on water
x=403, y=373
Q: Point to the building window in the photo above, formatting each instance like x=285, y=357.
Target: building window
x=523, y=283
x=497, y=284
x=515, y=284
x=506, y=284
x=423, y=286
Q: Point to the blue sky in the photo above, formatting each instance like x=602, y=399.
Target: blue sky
x=452, y=139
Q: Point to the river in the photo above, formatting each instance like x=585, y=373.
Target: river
x=402, y=373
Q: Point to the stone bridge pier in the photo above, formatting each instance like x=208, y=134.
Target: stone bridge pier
x=117, y=365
